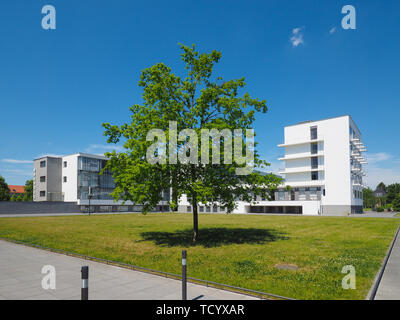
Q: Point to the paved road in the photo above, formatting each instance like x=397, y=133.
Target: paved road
x=374, y=214
x=389, y=287
x=21, y=278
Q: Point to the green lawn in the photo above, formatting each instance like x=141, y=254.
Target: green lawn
x=238, y=250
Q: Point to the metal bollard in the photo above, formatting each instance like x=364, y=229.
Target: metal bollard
x=184, y=279
x=85, y=283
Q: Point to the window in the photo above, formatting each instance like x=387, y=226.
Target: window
x=281, y=195
x=208, y=209
x=65, y=179
x=43, y=179
x=42, y=193
x=313, y=194
x=313, y=133
x=314, y=148
x=215, y=208
x=302, y=193
x=314, y=162
x=42, y=164
x=314, y=175
x=201, y=208
x=65, y=164
x=189, y=208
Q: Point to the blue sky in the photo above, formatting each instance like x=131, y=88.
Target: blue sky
x=58, y=86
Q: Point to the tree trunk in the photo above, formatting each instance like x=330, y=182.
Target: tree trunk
x=195, y=218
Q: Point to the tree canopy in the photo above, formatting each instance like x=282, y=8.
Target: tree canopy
x=4, y=191
x=188, y=104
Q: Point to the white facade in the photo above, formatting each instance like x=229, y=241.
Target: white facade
x=326, y=155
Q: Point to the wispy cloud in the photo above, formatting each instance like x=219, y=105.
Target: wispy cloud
x=332, y=30
x=98, y=148
x=16, y=161
x=373, y=158
x=18, y=172
x=297, y=36
x=382, y=167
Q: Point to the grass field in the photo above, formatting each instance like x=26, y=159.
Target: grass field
x=238, y=250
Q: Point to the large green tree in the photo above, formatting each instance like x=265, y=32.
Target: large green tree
x=4, y=191
x=196, y=101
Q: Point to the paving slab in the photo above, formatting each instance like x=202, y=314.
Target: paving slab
x=21, y=279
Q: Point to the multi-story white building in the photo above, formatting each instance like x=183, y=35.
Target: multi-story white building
x=68, y=179
x=323, y=170
x=323, y=175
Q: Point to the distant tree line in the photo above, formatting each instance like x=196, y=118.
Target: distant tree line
x=384, y=197
x=5, y=192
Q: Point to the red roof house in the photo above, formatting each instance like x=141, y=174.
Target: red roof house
x=17, y=190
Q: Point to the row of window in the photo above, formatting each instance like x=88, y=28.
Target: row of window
x=207, y=209
x=43, y=164
x=358, y=194
x=43, y=179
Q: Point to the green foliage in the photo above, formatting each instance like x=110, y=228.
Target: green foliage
x=20, y=197
x=396, y=202
x=197, y=101
x=4, y=191
x=379, y=209
x=13, y=198
x=369, y=200
x=28, y=195
x=392, y=191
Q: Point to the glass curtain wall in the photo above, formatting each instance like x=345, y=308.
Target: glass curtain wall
x=89, y=176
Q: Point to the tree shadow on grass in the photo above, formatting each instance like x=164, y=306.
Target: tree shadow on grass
x=214, y=237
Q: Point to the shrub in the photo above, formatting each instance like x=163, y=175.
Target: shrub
x=379, y=209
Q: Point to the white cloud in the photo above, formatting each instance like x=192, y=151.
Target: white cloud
x=15, y=161
x=297, y=36
x=332, y=30
x=381, y=167
x=19, y=172
x=373, y=158
x=98, y=148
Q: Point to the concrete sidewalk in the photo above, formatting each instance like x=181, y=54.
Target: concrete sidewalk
x=389, y=287
x=21, y=278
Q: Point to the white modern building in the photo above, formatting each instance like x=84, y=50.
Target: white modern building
x=68, y=179
x=323, y=170
x=322, y=175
